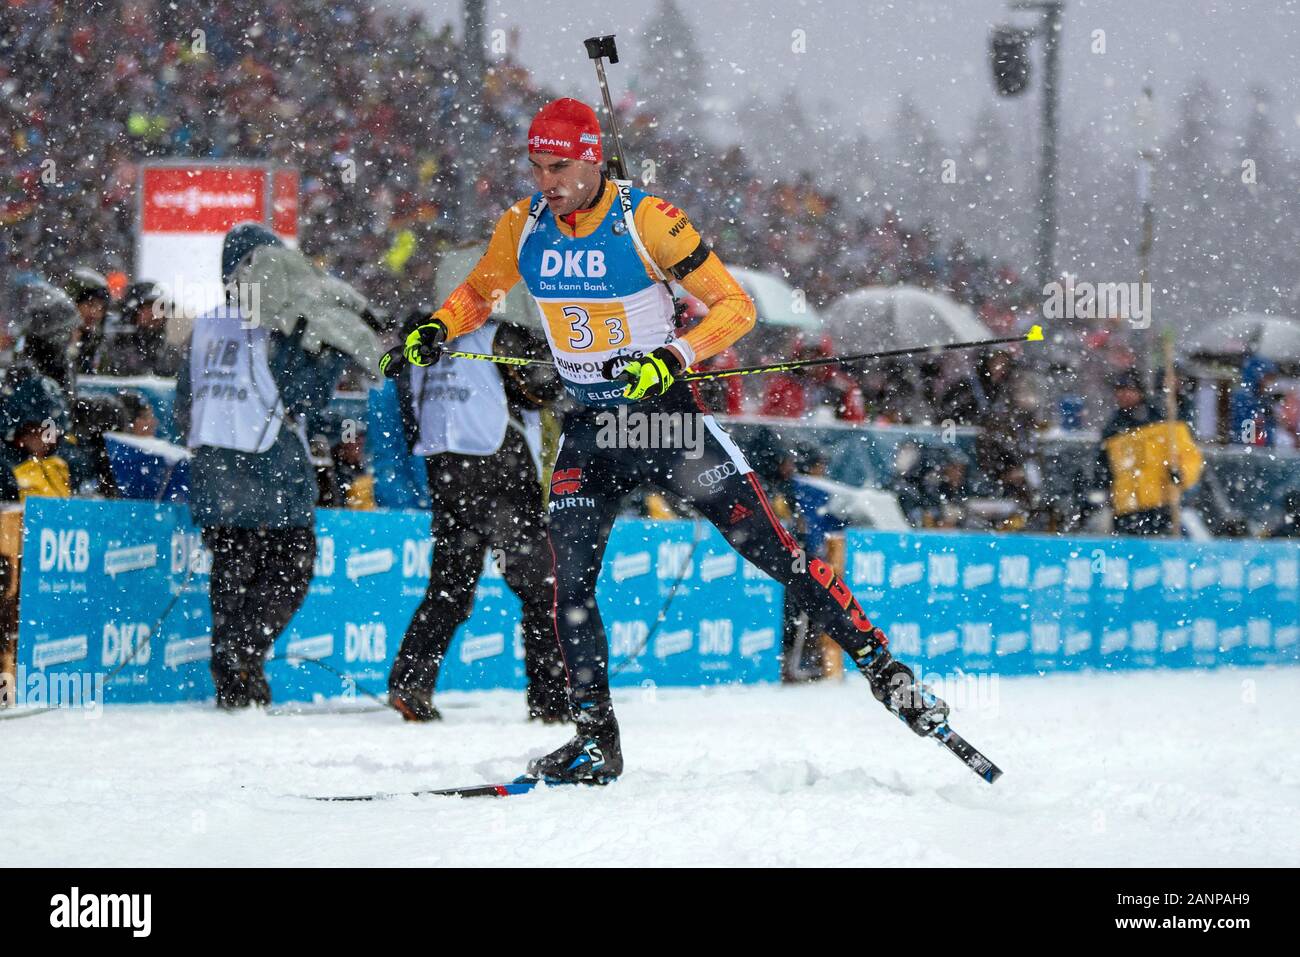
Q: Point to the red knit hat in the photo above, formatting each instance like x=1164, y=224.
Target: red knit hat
x=566, y=128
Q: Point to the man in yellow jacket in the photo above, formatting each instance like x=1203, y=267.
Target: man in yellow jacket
x=1144, y=461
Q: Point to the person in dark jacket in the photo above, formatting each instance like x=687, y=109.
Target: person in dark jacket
x=475, y=424
x=242, y=397
x=39, y=454
x=89, y=291
x=973, y=398
x=51, y=331
x=138, y=345
x=92, y=416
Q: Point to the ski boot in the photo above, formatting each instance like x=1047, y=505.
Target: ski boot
x=894, y=685
x=413, y=705
x=232, y=690
x=238, y=679
x=410, y=690
x=592, y=756
x=259, y=689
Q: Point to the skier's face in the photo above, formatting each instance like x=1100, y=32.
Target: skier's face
x=567, y=184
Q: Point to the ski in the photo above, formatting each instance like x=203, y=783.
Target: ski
x=520, y=785
x=971, y=757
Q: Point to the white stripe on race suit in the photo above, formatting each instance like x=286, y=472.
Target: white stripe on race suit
x=728, y=443
x=629, y=216
x=688, y=354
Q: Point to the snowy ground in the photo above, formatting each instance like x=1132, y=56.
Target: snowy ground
x=1143, y=768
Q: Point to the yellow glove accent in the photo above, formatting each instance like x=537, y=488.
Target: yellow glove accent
x=423, y=346
x=651, y=377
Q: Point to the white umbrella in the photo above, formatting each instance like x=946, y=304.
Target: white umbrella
x=778, y=303
x=455, y=264
x=895, y=317
x=1249, y=333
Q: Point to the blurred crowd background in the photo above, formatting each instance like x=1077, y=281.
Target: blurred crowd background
x=400, y=159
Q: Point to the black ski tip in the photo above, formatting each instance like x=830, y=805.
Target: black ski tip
x=971, y=757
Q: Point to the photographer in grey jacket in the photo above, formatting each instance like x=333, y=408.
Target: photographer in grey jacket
x=252, y=379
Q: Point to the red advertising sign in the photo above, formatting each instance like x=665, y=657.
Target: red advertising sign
x=203, y=200
x=284, y=203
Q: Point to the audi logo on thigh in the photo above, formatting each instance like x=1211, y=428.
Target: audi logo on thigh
x=715, y=475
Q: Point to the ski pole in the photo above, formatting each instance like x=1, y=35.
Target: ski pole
x=598, y=48
x=1035, y=334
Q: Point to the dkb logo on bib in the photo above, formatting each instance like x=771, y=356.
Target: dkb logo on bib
x=571, y=261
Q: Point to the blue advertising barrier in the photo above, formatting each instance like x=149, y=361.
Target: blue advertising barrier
x=99, y=575
x=1020, y=604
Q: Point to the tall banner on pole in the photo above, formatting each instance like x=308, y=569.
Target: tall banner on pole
x=185, y=209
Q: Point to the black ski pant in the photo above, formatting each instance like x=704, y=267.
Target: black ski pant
x=602, y=457
x=480, y=502
x=1155, y=521
x=259, y=580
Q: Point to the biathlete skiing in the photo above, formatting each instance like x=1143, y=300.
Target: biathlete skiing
x=597, y=255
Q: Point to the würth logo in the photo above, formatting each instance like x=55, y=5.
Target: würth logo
x=75, y=910
x=566, y=481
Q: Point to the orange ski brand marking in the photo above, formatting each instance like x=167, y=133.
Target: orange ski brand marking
x=821, y=572
x=863, y=623
x=824, y=575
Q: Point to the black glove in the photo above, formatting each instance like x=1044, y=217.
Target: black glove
x=646, y=375
x=423, y=347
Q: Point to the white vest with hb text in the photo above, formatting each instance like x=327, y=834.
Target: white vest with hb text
x=235, y=402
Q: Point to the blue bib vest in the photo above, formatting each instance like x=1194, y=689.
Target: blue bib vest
x=600, y=296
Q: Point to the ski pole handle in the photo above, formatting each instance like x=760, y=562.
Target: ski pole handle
x=599, y=49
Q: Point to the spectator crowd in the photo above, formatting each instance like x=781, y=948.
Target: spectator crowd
x=401, y=155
